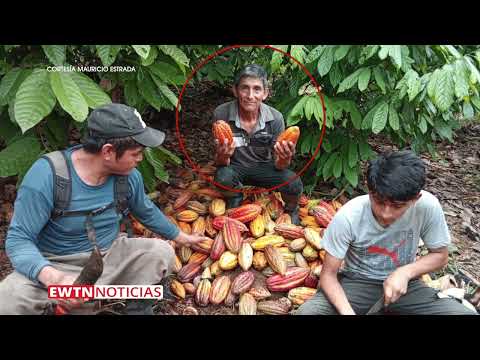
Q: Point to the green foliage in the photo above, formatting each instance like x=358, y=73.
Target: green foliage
x=412, y=94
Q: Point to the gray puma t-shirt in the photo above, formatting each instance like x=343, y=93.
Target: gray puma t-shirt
x=374, y=251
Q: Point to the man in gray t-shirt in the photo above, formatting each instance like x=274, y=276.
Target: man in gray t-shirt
x=377, y=236
x=255, y=157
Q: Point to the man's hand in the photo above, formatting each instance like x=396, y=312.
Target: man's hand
x=186, y=239
x=224, y=151
x=395, y=285
x=284, y=150
x=51, y=276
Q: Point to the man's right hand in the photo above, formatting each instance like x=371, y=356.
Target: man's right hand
x=224, y=151
x=51, y=276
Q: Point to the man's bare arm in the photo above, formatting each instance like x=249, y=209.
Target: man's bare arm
x=331, y=286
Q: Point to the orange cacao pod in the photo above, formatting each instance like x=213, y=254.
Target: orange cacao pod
x=203, y=247
x=303, y=200
x=219, y=221
x=294, y=277
x=222, y=131
x=218, y=247
x=189, y=288
x=245, y=213
x=187, y=216
x=289, y=231
x=275, y=259
x=232, y=237
x=185, y=227
x=197, y=258
x=178, y=289
x=290, y=134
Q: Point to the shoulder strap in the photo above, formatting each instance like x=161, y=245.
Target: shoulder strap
x=62, y=181
x=121, y=192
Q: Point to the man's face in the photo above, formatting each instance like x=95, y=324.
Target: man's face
x=386, y=212
x=127, y=162
x=250, y=93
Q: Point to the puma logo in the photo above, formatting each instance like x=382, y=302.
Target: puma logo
x=384, y=251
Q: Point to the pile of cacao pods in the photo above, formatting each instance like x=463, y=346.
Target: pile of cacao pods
x=255, y=258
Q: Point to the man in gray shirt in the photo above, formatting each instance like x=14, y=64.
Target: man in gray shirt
x=255, y=158
x=377, y=235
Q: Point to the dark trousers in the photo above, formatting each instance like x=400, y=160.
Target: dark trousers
x=262, y=175
x=362, y=293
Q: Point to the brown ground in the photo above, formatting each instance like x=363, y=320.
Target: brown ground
x=454, y=179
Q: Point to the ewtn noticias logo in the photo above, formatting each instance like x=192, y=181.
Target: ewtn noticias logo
x=99, y=292
x=71, y=68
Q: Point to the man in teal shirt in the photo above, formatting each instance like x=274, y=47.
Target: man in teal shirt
x=46, y=251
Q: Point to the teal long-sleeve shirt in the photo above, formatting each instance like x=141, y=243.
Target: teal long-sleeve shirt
x=32, y=231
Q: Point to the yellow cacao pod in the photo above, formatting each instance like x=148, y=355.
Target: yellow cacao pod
x=178, y=289
x=185, y=253
x=215, y=269
x=198, y=226
x=259, y=261
x=297, y=244
x=247, y=305
x=187, y=216
x=301, y=294
x=287, y=254
x=178, y=264
x=217, y=207
x=313, y=238
x=202, y=294
x=257, y=226
x=262, y=242
x=245, y=256
x=228, y=261
x=309, y=253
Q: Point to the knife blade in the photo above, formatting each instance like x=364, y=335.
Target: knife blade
x=377, y=307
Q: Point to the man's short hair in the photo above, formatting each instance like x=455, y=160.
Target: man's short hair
x=93, y=145
x=396, y=176
x=255, y=71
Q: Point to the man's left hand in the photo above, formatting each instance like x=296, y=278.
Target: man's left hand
x=395, y=285
x=284, y=150
x=189, y=239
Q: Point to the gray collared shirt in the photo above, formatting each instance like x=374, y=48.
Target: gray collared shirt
x=257, y=147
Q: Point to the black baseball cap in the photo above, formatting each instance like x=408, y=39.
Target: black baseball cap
x=118, y=120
